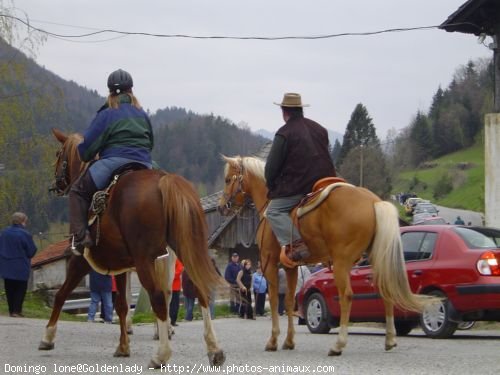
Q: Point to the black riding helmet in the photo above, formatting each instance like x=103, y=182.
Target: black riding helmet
x=119, y=81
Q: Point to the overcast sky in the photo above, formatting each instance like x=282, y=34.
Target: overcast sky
x=393, y=74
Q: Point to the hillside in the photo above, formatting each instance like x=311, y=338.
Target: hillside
x=461, y=171
x=33, y=100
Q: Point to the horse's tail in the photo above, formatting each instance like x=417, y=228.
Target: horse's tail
x=187, y=233
x=387, y=260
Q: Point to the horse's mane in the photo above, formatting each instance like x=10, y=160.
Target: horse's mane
x=73, y=141
x=252, y=164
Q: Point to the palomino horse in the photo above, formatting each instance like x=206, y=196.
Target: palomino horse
x=351, y=221
x=146, y=211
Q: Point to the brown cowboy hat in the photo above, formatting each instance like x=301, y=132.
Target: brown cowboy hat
x=291, y=99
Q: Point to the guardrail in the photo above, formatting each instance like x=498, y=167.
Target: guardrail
x=84, y=303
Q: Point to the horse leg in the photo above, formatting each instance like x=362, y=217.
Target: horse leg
x=153, y=277
x=291, y=280
x=121, y=306
x=342, y=279
x=271, y=274
x=216, y=356
x=390, y=328
x=77, y=269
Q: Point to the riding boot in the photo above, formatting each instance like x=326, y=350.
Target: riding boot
x=80, y=197
x=299, y=251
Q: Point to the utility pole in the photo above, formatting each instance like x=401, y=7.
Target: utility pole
x=361, y=165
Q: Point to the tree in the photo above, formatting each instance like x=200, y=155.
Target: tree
x=421, y=139
x=360, y=131
x=335, y=154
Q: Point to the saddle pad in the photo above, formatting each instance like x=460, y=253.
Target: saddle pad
x=313, y=200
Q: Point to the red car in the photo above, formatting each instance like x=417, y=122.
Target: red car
x=459, y=263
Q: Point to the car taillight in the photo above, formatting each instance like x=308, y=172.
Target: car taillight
x=488, y=264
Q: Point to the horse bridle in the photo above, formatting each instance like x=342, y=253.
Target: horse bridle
x=230, y=198
x=61, y=184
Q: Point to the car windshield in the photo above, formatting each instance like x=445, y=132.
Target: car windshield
x=475, y=239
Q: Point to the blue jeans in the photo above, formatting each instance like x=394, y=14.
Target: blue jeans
x=278, y=215
x=189, y=306
x=95, y=298
x=102, y=169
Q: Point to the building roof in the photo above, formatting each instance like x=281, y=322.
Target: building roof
x=474, y=17
x=50, y=254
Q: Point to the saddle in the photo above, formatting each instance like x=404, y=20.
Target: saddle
x=100, y=197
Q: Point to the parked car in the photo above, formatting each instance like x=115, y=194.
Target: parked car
x=410, y=203
x=427, y=219
x=422, y=207
x=458, y=263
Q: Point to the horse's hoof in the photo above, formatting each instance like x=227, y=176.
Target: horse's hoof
x=216, y=358
x=271, y=348
x=46, y=345
x=288, y=346
x=153, y=365
x=389, y=347
x=130, y=331
x=334, y=353
x=121, y=353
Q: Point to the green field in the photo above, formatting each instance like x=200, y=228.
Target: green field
x=465, y=170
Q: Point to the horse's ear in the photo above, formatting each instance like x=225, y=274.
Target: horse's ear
x=60, y=136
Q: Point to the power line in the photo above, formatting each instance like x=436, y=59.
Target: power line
x=263, y=38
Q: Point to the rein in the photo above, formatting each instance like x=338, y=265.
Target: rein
x=230, y=203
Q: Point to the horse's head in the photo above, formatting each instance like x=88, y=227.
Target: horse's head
x=67, y=158
x=234, y=196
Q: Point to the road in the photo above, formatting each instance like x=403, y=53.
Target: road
x=450, y=215
x=92, y=345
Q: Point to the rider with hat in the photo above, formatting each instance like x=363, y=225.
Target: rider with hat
x=298, y=158
x=120, y=133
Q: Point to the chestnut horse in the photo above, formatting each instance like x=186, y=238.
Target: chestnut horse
x=147, y=210
x=350, y=222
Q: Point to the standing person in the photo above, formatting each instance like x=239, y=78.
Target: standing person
x=100, y=290
x=230, y=274
x=244, y=280
x=303, y=274
x=298, y=158
x=459, y=221
x=173, y=310
x=282, y=289
x=120, y=134
x=189, y=292
x=16, y=250
x=211, y=304
x=260, y=289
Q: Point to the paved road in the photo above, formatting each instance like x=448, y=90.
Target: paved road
x=450, y=215
x=92, y=345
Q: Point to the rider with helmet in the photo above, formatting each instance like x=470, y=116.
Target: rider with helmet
x=120, y=134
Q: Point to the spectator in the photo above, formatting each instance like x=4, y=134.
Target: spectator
x=211, y=304
x=189, y=292
x=100, y=289
x=230, y=274
x=16, y=250
x=173, y=309
x=459, y=221
x=114, y=290
x=244, y=281
x=282, y=289
x=260, y=289
x=303, y=274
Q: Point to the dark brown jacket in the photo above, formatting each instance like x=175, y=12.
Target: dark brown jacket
x=303, y=159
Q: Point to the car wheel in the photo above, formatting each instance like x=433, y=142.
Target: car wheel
x=317, y=314
x=466, y=325
x=403, y=328
x=435, y=319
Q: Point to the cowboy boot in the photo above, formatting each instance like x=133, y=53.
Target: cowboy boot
x=80, y=197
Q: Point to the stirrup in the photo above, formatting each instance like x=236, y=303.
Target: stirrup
x=78, y=248
x=285, y=260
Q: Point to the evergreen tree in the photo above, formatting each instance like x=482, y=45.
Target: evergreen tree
x=336, y=151
x=421, y=139
x=360, y=131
